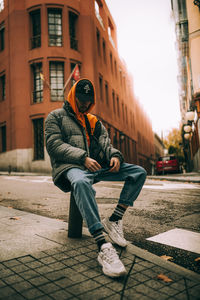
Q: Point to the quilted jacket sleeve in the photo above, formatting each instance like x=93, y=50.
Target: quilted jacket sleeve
x=57, y=149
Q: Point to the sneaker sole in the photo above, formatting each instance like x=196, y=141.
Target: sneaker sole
x=110, y=274
x=114, y=241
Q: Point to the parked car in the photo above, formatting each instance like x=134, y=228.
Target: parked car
x=167, y=164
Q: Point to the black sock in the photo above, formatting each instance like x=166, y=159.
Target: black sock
x=117, y=214
x=99, y=238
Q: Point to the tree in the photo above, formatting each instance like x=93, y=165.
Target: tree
x=173, y=143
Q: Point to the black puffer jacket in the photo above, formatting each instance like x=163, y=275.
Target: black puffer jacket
x=67, y=144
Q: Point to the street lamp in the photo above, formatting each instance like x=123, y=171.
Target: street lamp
x=187, y=128
x=190, y=116
x=187, y=136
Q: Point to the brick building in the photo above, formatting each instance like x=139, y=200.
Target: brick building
x=40, y=43
x=187, y=24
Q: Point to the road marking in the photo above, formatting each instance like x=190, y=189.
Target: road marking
x=179, y=238
x=39, y=180
x=172, y=186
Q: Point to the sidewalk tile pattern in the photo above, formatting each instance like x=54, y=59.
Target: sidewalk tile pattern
x=72, y=272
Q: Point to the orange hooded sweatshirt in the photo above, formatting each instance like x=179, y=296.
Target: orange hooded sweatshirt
x=80, y=116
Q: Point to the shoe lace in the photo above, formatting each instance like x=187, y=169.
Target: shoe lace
x=118, y=228
x=110, y=255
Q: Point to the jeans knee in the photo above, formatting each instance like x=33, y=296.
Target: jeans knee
x=80, y=182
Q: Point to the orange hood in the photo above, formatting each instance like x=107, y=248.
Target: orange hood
x=80, y=116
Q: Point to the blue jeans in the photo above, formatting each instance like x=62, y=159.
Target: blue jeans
x=84, y=193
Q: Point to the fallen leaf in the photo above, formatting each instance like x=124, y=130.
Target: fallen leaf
x=164, y=278
x=165, y=257
x=14, y=218
x=197, y=259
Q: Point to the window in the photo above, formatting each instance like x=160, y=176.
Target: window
x=73, y=21
x=113, y=97
x=118, y=112
x=37, y=84
x=111, y=62
x=3, y=138
x=1, y=5
x=55, y=27
x=57, y=80
x=38, y=130
x=101, y=87
x=35, y=29
x=106, y=93
x=2, y=37
x=115, y=64
x=3, y=87
x=98, y=43
x=104, y=51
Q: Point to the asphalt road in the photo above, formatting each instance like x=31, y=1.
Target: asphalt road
x=161, y=206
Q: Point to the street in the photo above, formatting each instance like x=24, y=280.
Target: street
x=162, y=207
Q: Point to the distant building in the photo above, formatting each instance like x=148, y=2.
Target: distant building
x=187, y=19
x=40, y=43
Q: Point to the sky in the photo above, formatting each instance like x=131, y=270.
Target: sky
x=146, y=41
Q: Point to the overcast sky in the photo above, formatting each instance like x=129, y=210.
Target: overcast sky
x=146, y=41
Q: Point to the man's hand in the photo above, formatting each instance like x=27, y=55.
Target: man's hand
x=91, y=164
x=115, y=164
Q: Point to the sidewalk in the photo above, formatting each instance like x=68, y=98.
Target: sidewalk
x=39, y=261
x=183, y=177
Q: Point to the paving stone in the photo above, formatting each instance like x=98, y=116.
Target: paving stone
x=22, y=286
x=155, y=284
x=70, y=262
x=115, y=286
x=194, y=292
x=80, y=267
x=13, y=279
x=6, y=291
x=54, y=275
x=147, y=291
x=49, y=288
x=44, y=269
x=26, y=259
x=48, y=260
x=57, y=266
x=5, y=273
x=32, y=293
x=2, y=284
x=34, y=264
x=179, y=285
x=91, y=273
x=39, y=280
x=20, y=268
x=64, y=282
x=61, y=295
x=100, y=293
x=82, y=258
x=140, y=277
x=29, y=274
x=82, y=287
x=11, y=263
x=103, y=279
x=168, y=291
x=14, y=297
x=38, y=255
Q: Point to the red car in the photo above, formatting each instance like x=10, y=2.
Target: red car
x=167, y=164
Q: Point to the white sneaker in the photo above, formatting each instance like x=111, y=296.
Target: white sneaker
x=115, y=232
x=109, y=260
